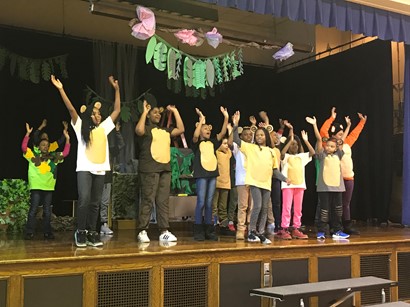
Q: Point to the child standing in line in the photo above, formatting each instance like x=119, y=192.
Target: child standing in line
x=42, y=176
x=154, y=167
x=244, y=194
x=205, y=167
x=223, y=185
x=261, y=164
x=293, y=161
x=92, y=161
x=330, y=185
x=335, y=130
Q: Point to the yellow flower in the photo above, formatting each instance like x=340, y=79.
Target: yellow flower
x=29, y=154
x=44, y=167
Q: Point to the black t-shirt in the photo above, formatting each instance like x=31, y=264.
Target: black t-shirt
x=154, y=147
x=205, y=163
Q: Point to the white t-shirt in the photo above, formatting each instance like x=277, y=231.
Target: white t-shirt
x=240, y=171
x=293, y=168
x=95, y=157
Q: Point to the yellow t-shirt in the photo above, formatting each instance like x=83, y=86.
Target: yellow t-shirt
x=261, y=161
x=223, y=181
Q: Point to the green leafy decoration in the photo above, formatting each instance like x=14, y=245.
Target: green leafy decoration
x=13, y=63
x=179, y=65
x=160, y=56
x=173, y=68
x=210, y=73
x=125, y=113
x=218, y=71
x=199, y=74
x=149, y=53
x=240, y=61
x=188, y=72
x=23, y=69
x=45, y=71
x=234, y=68
x=225, y=68
x=35, y=71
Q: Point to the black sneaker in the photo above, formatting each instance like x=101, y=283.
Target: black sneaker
x=49, y=236
x=80, y=237
x=29, y=236
x=93, y=239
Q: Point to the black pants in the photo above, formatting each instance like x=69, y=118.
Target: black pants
x=330, y=211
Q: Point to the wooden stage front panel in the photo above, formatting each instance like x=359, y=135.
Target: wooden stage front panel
x=190, y=274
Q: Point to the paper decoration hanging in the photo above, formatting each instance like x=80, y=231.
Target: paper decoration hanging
x=284, y=53
x=146, y=27
x=199, y=75
x=33, y=70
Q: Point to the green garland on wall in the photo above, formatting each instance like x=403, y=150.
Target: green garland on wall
x=199, y=75
x=34, y=70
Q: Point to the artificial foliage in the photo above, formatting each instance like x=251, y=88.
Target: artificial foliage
x=130, y=110
x=200, y=75
x=33, y=70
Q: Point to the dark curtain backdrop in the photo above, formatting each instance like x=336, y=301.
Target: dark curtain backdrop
x=406, y=141
x=358, y=80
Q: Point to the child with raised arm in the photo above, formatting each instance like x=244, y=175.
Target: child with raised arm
x=40, y=134
x=294, y=160
x=261, y=164
x=42, y=176
x=223, y=185
x=92, y=161
x=205, y=167
x=154, y=167
x=329, y=185
x=336, y=130
x=244, y=195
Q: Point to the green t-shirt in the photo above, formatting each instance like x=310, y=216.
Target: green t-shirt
x=42, y=171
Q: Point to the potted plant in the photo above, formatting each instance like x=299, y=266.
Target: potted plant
x=14, y=204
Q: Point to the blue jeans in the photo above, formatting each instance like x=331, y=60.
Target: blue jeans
x=90, y=189
x=205, y=189
x=44, y=198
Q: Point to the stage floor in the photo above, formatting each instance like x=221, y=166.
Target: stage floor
x=14, y=249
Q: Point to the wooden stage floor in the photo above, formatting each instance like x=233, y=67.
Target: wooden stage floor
x=14, y=249
x=198, y=273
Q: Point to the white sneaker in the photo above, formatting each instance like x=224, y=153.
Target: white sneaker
x=167, y=236
x=143, y=237
x=105, y=230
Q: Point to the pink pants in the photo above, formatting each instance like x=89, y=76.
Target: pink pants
x=289, y=195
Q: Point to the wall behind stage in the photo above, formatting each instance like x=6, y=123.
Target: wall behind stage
x=357, y=80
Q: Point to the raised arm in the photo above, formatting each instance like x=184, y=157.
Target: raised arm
x=291, y=138
x=66, y=150
x=324, y=130
x=26, y=138
x=347, y=130
x=353, y=136
x=222, y=133
x=62, y=139
x=201, y=121
x=308, y=145
x=73, y=113
x=140, y=127
x=117, y=100
x=36, y=134
x=230, y=134
x=235, y=119
x=179, y=129
x=312, y=121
